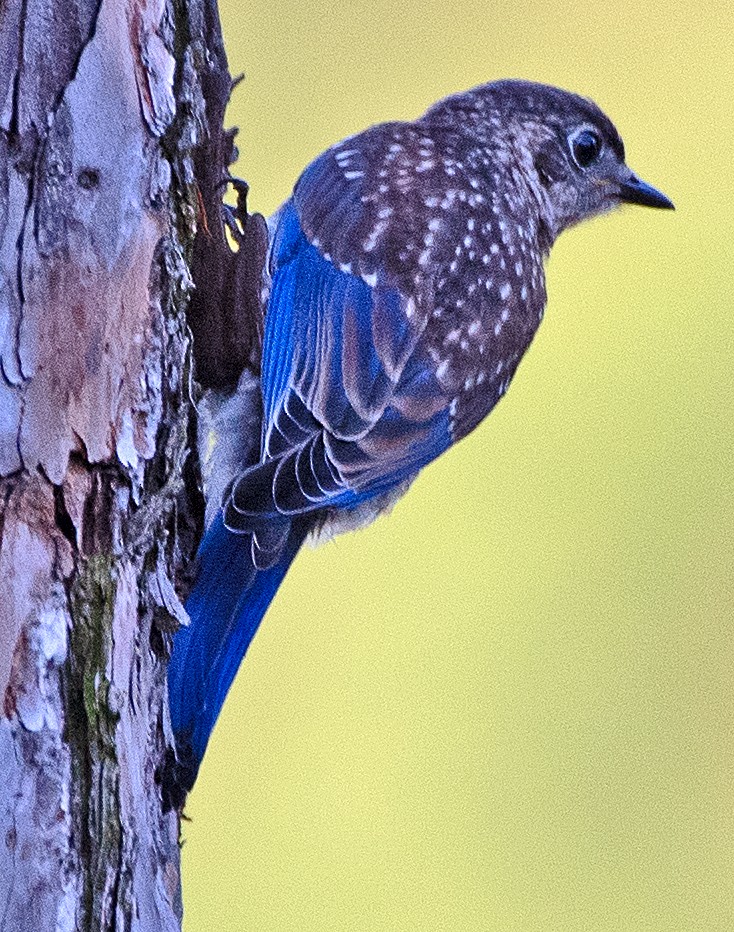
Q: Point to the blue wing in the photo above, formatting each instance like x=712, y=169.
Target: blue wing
x=352, y=407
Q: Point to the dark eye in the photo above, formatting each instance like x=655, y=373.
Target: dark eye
x=585, y=148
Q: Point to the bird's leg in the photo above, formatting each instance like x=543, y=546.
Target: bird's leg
x=242, y=189
x=249, y=232
x=236, y=217
x=229, y=218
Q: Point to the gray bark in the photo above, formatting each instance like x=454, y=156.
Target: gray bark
x=111, y=152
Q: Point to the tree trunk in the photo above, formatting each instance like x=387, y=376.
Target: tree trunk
x=111, y=154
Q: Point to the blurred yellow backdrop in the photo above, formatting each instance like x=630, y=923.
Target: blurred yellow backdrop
x=509, y=705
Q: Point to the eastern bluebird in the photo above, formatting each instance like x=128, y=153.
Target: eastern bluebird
x=406, y=284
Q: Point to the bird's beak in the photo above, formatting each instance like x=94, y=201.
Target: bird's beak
x=635, y=191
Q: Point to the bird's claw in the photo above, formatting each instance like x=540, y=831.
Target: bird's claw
x=235, y=217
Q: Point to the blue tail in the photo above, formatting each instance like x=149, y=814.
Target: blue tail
x=226, y=605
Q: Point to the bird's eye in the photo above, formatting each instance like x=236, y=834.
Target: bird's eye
x=586, y=148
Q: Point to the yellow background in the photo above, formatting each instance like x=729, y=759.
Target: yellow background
x=509, y=705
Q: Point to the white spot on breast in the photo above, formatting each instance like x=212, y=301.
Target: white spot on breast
x=473, y=328
x=518, y=269
x=350, y=176
x=505, y=291
x=345, y=267
x=442, y=369
x=505, y=315
x=494, y=249
x=524, y=293
x=370, y=278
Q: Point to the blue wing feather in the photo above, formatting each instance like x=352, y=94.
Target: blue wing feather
x=225, y=608
x=351, y=408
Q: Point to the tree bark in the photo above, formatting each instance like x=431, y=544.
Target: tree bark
x=112, y=155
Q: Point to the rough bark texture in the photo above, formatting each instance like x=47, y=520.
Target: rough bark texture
x=106, y=168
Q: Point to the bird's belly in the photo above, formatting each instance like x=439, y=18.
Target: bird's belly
x=338, y=521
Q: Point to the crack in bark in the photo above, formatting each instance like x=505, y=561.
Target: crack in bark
x=13, y=132
x=13, y=849
x=14, y=118
x=21, y=416
x=19, y=248
x=63, y=518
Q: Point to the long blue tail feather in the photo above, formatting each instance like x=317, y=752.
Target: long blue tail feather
x=226, y=605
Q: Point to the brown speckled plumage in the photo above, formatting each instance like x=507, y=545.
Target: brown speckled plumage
x=451, y=211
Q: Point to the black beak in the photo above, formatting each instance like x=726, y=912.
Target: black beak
x=634, y=191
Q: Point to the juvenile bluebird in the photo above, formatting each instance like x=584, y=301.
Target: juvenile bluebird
x=406, y=284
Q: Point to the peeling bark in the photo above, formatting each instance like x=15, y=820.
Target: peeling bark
x=111, y=154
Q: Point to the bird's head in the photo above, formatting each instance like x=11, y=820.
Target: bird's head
x=566, y=149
